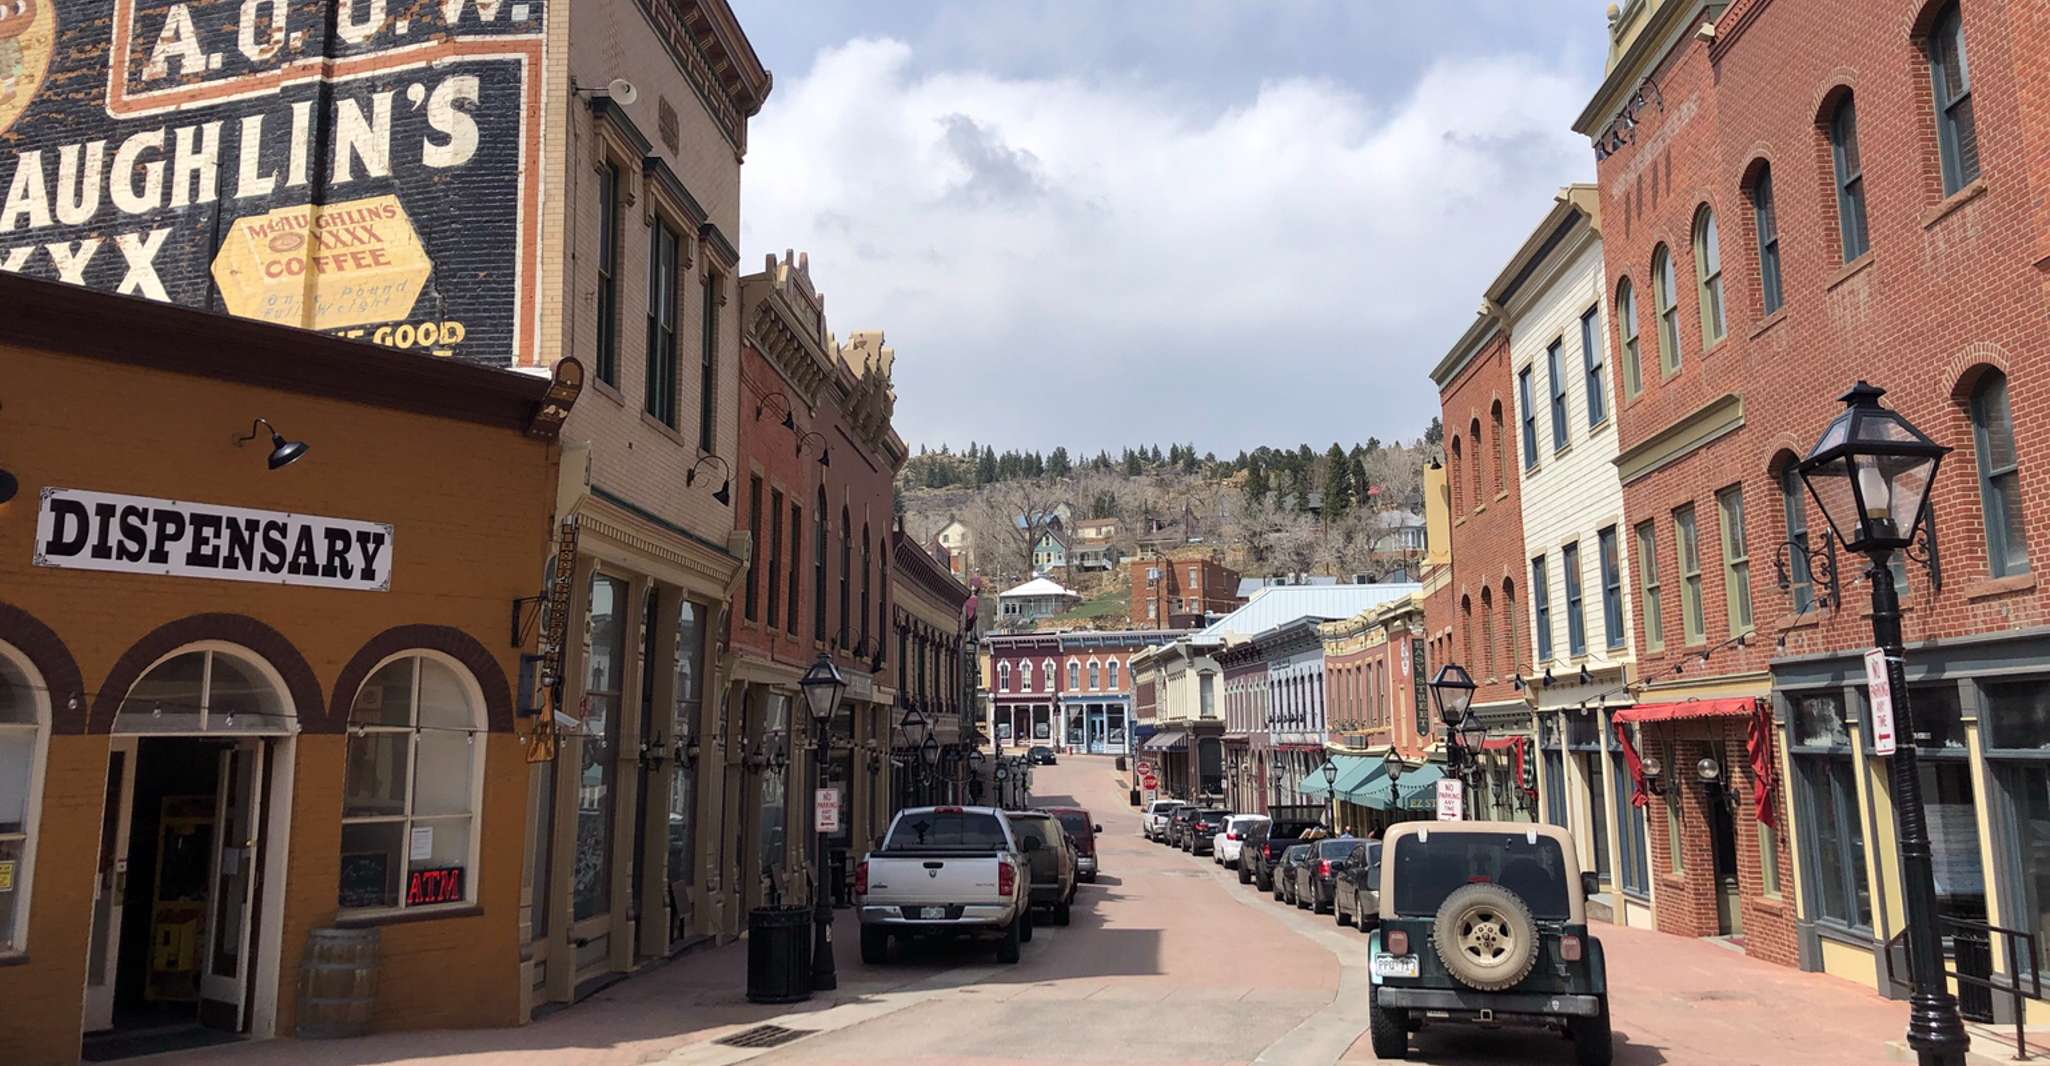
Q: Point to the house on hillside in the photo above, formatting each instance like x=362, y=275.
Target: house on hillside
x=1035, y=599
x=1158, y=535
x=1098, y=529
x=958, y=541
x=1051, y=551
x=1398, y=531
x=1094, y=554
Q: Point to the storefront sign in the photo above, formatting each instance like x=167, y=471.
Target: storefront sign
x=826, y=809
x=1451, y=800
x=440, y=885
x=80, y=530
x=7, y=876
x=1881, y=688
x=360, y=167
x=555, y=628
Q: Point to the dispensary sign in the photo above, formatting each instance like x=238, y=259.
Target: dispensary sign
x=360, y=167
x=81, y=530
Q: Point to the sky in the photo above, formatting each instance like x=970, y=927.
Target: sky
x=1127, y=222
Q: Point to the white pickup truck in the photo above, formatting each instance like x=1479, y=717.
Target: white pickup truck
x=945, y=871
x=1153, y=824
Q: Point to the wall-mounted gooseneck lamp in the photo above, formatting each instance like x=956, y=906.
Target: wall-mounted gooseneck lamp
x=825, y=452
x=779, y=400
x=282, y=452
x=725, y=492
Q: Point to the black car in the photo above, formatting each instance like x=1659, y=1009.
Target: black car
x=1357, y=896
x=1039, y=755
x=1178, y=825
x=1202, y=830
x=1287, y=872
x=1317, y=879
x=1263, y=848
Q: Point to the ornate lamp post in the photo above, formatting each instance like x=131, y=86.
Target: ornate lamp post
x=1871, y=472
x=823, y=687
x=916, y=729
x=1330, y=772
x=1452, y=690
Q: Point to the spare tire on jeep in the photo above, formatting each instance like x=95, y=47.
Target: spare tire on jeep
x=1486, y=937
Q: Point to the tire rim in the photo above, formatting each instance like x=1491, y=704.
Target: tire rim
x=1485, y=936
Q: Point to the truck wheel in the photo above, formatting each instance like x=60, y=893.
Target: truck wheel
x=1062, y=913
x=1019, y=930
x=1245, y=875
x=875, y=945
x=1592, y=1042
x=1090, y=877
x=1025, y=921
x=1274, y=886
x=1387, y=1030
x=1486, y=937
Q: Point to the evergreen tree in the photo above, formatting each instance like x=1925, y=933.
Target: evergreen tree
x=1157, y=460
x=1131, y=463
x=986, y=467
x=1435, y=432
x=1057, y=463
x=1338, y=495
x=1256, y=481
x=1373, y=445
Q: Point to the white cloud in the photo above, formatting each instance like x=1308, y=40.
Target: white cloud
x=1093, y=263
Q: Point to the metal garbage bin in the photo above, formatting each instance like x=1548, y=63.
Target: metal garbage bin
x=1121, y=762
x=779, y=954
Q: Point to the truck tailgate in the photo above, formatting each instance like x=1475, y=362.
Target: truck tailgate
x=927, y=878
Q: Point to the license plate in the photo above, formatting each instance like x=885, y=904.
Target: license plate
x=941, y=912
x=1393, y=966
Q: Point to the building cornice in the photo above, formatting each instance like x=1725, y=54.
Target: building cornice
x=1667, y=29
x=1686, y=435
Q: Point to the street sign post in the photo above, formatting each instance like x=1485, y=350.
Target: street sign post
x=826, y=809
x=1884, y=738
x=1149, y=782
x=1451, y=801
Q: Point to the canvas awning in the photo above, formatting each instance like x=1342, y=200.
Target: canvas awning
x=1166, y=742
x=1354, y=772
x=1735, y=707
x=1385, y=795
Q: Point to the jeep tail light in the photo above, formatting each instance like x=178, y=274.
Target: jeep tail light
x=1323, y=867
x=1570, y=948
x=861, y=878
x=1398, y=942
x=1007, y=879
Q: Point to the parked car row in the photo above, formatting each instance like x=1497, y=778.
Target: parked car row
x=979, y=873
x=1289, y=857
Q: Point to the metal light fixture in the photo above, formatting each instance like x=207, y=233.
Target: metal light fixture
x=1871, y=473
x=1708, y=769
x=1452, y=691
x=1391, y=764
x=825, y=451
x=823, y=686
x=1472, y=732
x=282, y=452
x=725, y=493
x=789, y=417
x=1330, y=773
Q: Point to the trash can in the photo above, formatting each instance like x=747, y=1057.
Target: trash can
x=1135, y=797
x=337, y=983
x=779, y=954
x=1121, y=762
x=1972, y=952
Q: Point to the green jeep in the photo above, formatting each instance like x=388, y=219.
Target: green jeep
x=1485, y=923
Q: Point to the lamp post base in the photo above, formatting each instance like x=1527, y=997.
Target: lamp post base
x=1935, y=1030
x=824, y=977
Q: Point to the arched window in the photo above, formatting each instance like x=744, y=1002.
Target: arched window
x=1113, y=673
x=1074, y=676
x=1665, y=304
x=1466, y=628
x=867, y=568
x=207, y=688
x=1473, y=433
x=1025, y=676
x=1626, y=322
x=24, y=739
x=1488, y=634
x=2000, y=486
x=413, y=781
x=1456, y=469
x=1768, y=228
x=882, y=600
x=1003, y=677
x=1708, y=276
x=1512, y=657
x=1046, y=670
x=1095, y=675
x=1849, y=177
x=1495, y=436
x=1800, y=578
x=1957, y=134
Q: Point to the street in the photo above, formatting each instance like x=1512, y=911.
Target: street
x=1168, y=960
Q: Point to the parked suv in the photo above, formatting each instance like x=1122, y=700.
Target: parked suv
x=1230, y=840
x=1317, y=878
x=1263, y=849
x=1485, y=922
x=1178, y=824
x=1202, y=826
x=1051, y=857
x=1153, y=824
x=1288, y=872
x=1356, y=888
x=1075, y=822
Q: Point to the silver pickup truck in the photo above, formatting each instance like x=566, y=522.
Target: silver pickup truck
x=945, y=872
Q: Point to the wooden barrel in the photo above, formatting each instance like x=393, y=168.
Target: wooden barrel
x=337, y=983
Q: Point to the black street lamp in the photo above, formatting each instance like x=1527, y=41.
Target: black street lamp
x=823, y=686
x=1452, y=690
x=1330, y=771
x=916, y=729
x=1871, y=473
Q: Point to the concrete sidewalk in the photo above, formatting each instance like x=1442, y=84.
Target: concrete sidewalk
x=1676, y=1001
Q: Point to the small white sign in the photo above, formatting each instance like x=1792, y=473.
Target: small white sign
x=423, y=843
x=1884, y=740
x=1451, y=800
x=81, y=530
x=826, y=809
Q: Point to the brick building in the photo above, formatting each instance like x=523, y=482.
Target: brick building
x=1184, y=593
x=931, y=648
x=1025, y=690
x=1802, y=198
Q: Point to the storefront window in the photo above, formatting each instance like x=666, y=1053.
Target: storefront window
x=1947, y=799
x=771, y=832
x=591, y=878
x=1635, y=875
x=409, y=793
x=683, y=785
x=2017, y=729
x=202, y=690
x=21, y=748
x=1840, y=891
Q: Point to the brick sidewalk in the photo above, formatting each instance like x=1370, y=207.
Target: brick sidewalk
x=1680, y=1002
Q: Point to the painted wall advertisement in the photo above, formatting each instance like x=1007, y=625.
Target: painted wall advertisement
x=366, y=168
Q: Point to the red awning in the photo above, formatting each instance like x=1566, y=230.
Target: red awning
x=1739, y=707
x=1501, y=743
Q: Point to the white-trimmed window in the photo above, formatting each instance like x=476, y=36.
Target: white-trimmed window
x=24, y=740
x=1047, y=669
x=411, y=788
x=1113, y=673
x=1074, y=675
x=1003, y=677
x=1095, y=675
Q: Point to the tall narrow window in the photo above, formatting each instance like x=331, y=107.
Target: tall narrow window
x=1591, y=362
x=2000, y=487
x=1957, y=135
x=752, y=599
x=1768, y=228
x=1665, y=300
x=413, y=763
x=867, y=567
x=1736, y=559
x=1113, y=673
x=1523, y=397
x=1553, y=357
x=24, y=742
x=1708, y=277
x=1541, y=598
x=1693, y=622
x=846, y=632
x=775, y=548
x=660, y=400
x=1095, y=676
x=608, y=276
x=1576, y=619
x=1626, y=324
x=818, y=576
x=1800, y=580
x=708, y=370
x=1487, y=662
x=796, y=561
x=1649, y=600
x=1495, y=440
x=1850, y=179
x=1473, y=433
x=1612, y=587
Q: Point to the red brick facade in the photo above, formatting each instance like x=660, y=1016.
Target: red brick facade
x=1180, y=593
x=1476, y=390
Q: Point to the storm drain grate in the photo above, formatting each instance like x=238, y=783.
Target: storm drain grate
x=763, y=1036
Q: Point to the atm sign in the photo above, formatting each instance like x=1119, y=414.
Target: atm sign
x=442, y=885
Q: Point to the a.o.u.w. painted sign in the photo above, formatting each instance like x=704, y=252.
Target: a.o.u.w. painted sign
x=363, y=167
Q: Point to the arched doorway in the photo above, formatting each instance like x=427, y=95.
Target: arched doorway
x=186, y=925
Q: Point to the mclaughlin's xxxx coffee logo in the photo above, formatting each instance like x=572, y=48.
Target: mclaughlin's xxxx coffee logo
x=353, y=166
